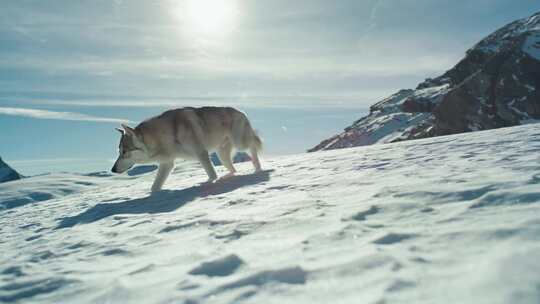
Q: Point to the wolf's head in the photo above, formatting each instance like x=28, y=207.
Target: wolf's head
x=131, y=150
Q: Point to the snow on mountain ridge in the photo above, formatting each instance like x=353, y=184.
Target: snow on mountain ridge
x=441, y=220
x=532, y=45
x=504, y=36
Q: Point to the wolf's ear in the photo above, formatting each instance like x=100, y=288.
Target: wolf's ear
x=120, y=130
x=128, y=130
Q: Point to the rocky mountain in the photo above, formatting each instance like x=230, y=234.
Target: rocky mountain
x=7, y=173
x=495, y=85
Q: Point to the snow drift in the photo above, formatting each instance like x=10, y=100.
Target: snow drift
x=449, y=219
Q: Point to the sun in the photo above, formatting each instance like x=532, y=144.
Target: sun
x=210, y=17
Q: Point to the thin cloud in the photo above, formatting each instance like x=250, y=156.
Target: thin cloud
x=45, y=114
x=408, y=59
x=372, y=18
x=281, y=102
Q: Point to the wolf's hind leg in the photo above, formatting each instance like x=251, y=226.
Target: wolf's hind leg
x=224, y=154
x=162, y=174
x=245, y=138
x=255, y=159
x=207, y=165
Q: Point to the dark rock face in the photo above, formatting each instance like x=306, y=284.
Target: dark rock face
x=7, y=173
x=496, y=85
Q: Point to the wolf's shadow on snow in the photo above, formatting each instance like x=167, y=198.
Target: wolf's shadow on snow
x=163, y=201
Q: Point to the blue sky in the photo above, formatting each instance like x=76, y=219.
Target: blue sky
x=302, y=70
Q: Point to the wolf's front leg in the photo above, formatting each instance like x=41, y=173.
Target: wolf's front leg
x=207, y=165
x=162, y=174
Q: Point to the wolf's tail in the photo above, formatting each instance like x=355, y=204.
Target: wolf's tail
x=244, y=137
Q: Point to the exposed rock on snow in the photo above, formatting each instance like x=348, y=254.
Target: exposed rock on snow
x=7, y=173
x=449, y=219
x=239, y=157
x=495, y=85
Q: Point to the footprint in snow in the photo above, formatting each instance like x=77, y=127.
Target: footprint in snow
x=282, y=187
x=427, y=210
x=115, y=251
x=219, y=268
x=231, y=236
x=362, y=215
x=33, y=237
x=399, y=285
x=393, y=238
x=144, y=269
x=238, y=232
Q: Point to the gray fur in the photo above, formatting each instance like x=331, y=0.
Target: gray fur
x=190, y=133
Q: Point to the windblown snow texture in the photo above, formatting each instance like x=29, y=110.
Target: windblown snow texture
x=451, y=219
x=496, y=85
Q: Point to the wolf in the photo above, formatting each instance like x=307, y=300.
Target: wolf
x=189, y=133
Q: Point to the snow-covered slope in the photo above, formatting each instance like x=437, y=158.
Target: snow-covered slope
x=496, y=85
x=452, y=219
x=7, y=173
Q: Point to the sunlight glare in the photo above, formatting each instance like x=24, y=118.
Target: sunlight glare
x=211, y=17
